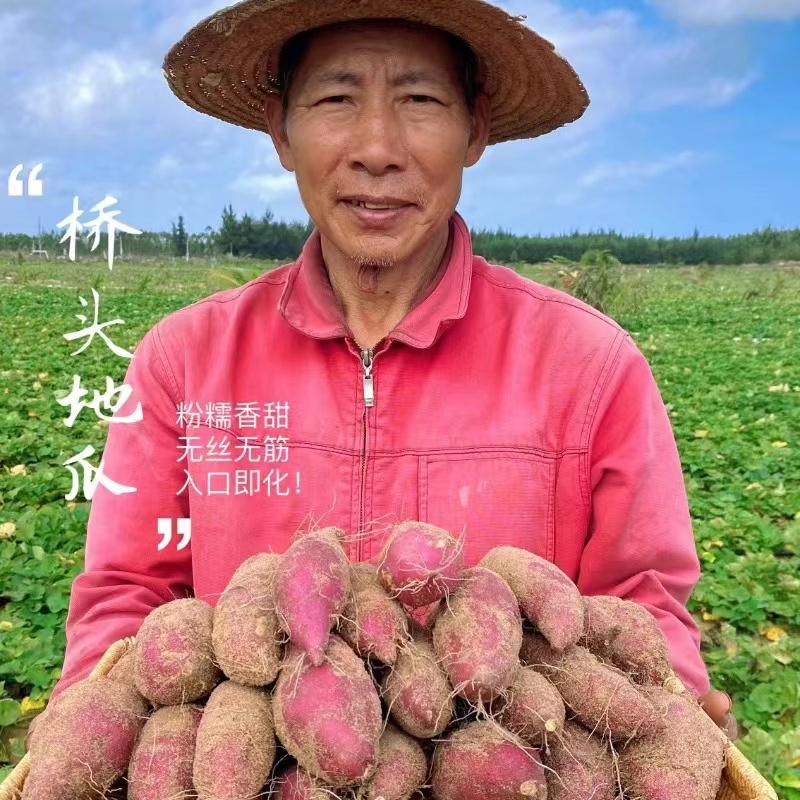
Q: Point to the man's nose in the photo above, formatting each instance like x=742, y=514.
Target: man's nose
x=378, y=143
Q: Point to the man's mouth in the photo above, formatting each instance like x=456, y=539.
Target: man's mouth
x=377, y=204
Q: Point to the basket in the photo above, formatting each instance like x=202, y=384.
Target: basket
x=740, y=780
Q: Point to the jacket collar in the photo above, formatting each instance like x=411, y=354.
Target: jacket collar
x=309, y=305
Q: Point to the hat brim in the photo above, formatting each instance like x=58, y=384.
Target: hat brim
x=224, y=65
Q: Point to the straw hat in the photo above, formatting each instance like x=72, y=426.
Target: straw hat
x=225, y=66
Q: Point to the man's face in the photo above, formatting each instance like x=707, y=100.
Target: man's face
x=377, y=115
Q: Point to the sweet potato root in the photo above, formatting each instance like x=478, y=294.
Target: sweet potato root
x=478, y=637
x=312, y=586
x=548, y=598
x=297, y=784
x=483, y=762
x=627, y=635
x=580, y=766
x=173, y=659
x=161, y=764
x=246, y=635
x=402, y=767
x=416, y=690
x=603, y=698
x=329, y=717
x=420, y=563
x=683, y=762
x=373, y=624
x=235, y=743
x=532, y=708
x=86, y=742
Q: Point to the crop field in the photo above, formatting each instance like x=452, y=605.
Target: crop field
x=723, y=342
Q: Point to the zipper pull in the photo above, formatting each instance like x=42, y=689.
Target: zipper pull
x=369, y=390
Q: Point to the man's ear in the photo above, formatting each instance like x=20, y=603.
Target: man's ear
x=276, y=123
x=479, y=130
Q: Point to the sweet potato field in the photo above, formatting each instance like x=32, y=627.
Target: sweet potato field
x=723, y=343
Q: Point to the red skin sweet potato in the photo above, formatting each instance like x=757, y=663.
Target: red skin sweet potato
x=536, y=652
x=628, y=636
x=532, y=708
x=420, y=563
x=235, y=747
x=161, y=764
x=416, y=690
x=312, y=586
x=86, y=742
x=603, y=698
x=684, y=761
x=402, y=767
x=246, y=636
x=329, y=717
x=297, y=784
x=173, y=659
x=548, y=598
x=373, y=624
x=478, y=636
x=483, y=762
x=579, y=766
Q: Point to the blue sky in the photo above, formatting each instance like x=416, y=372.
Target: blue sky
x=695, y=121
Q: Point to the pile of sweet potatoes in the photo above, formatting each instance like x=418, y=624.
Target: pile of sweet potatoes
x=314, y=678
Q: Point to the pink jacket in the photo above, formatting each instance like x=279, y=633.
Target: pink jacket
x=498, y=408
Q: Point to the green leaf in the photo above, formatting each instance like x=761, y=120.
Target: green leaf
x=9, y=712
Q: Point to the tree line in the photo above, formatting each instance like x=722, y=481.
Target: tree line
x=270, y=239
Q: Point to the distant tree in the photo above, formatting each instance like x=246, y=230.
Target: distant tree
x=179, y=238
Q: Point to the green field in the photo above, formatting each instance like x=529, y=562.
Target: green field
x=724, y=344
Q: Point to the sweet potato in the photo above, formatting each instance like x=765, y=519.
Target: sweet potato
x=416, y=690
x=420, y=563
x=402, y=767
x=683, y=762
x=580, y=766
x=312, y=586
x=537, y=652
x=373, y=624
x=478, y=637
x=173, y=660
x=246, y=635
x=86, y=742
x=627, y=635
x=548, y=598
x=483, y=762
x=235, y=743
x=161, y=764
x=329, y=717
x=533, y=708
x=297, y=784
x=603, y=698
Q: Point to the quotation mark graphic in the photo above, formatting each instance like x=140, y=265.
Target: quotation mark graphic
x=16, y=186
x=183, y=526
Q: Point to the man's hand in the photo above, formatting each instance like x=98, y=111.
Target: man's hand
x=718, y=706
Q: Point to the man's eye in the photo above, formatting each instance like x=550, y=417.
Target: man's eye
x=423, y=98
x=336, y=98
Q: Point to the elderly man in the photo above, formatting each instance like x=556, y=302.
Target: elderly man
x=388, y=373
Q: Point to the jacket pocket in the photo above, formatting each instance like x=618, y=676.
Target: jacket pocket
x=492, y=499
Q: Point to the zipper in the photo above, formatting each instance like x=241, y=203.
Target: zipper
x=367, y=356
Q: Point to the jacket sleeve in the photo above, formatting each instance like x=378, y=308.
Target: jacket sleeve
x=125, y=576
x=641, y=546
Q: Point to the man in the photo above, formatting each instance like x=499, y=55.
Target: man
x=388, y=373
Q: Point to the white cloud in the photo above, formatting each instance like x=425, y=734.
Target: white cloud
x=726, y=12
x=92, y=88
x=627, y=65
x=264, y=177
x=627, y=172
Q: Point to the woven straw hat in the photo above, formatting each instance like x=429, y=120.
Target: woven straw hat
x=226, y=65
